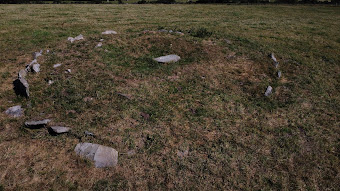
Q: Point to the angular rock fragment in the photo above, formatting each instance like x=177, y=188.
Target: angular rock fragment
x=272, y=56
x=109, y=32
x=68, y=71
x=37, y=124
x=21, y=87
x=79, y=37
x=50, y=82
x=87, y=133
x=22, y=73
x=168, y=58
x=36, y=68
x=268, y=91
x=180, y=33
x=101, y=40
x=101, y=155
x=163, y=30
x=59, y=129
x=15, y=111
x=171, y=31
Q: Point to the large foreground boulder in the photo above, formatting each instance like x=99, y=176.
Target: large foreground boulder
x=168, y=58
x=101, y=155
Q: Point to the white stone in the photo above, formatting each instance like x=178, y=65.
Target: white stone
x=37, y=124
x=36, y=68
x=168, y=58
x=99, y=45
x=60, y=129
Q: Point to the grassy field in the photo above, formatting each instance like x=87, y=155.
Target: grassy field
x=209, y=105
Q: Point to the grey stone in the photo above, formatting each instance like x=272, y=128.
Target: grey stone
x=99, y=45
x=79, y=37
x=60, y=129
x=180, y=33
x=22, y=73
x=56, y=65
x=272, y=56
x=268, y=91
x=88, y=133
x=50, y=82
x=68, y=71
x=171, y=31
x=276, y=64
x=21, y=87
x=36, y=68
x=182, y=154
x=37, y=124
x=168, y=58
x=109, y=32
x=101, y=155
x=37, y=54
x=163, y=30
x=15, y=111
x=71, y=39
x=279, y=74
x=101, y=40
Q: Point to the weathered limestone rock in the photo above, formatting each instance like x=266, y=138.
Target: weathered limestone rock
x=50, y=82
x=272, y=56
x=15, y=111
x=68, y=71
x=36, y=68
x=22, y=73
x=180, y=33
x=59, y=129
x=163, y=30
x=21, y=87
x=37, y=124
x=101, y=155
x=109, y=32
x=268, y=91
x=168, y=58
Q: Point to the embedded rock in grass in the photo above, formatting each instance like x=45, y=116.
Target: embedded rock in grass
x=15, y=111
x=50, y=82
x=99, y=45
x=22, y=73
x=168, y=58
x=131, y=153
x=56, y=65
x=88, y=133
x=59, y=129
x=273, y=57
x=21, y=87
x=163, y=30
x=101, y=155
x=180, y=33
x=36, y=68
x=68, y=71
x=268, y=91
x=79, y=37
x=109, y=32
x=37, y=124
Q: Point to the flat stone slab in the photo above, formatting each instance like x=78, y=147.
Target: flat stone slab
x=79, y=37
x=168, y=58
x=268, y=91
x=109, y=32
x=56, y=65
x=101, y=155
x=60, y=129
x=21, y=87
x=15, y=111
x=37, y=124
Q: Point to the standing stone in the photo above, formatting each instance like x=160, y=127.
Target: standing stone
x=15, y=111
x=37, y=124
x=109, y=32
x=268, y=91
x=168, y=58
x=21, y=87
x=101, y=155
